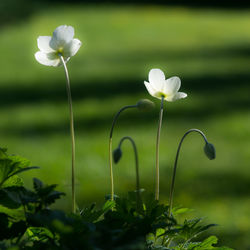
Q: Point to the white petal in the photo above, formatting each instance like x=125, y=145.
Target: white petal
x=175, y=97
x=181, y=95
x=48, y=59
x=61, y=36
x=71, y=48
x=157, y=78
x=150, y=88
x=43, y=43
x=172, y=85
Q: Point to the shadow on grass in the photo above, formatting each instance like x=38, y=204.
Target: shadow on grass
x=10, y=96
x=13, y=11
x=219, y=99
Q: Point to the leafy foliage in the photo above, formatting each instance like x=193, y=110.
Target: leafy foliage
x=10, y=166
x=119, y=224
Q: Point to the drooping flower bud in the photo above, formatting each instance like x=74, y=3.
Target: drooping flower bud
x=209, y=150
x=117, y=154
x=145, y=105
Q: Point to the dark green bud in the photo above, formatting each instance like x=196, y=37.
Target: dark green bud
x=145, y=105
x=209, y=150
x=117, y=154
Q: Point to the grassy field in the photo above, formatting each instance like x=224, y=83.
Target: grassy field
x=208, y=49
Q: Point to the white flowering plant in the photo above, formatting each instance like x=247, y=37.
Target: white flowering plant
x=138, y=221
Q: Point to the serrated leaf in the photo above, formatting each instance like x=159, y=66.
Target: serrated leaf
x=14, y=214
x=39, y=233
x=52, y=196
x=209, y=241
x=15, y=180
x=37, y=184
x=11, y=165
x=10, y=198
x=22, y=170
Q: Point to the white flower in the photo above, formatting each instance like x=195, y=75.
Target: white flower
x=61, y=43
x=159, y=87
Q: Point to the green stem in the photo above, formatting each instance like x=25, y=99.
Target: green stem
x=157, y=186
x=110, y=147
x=72, y=134
x=138, y=197
x=175, y=165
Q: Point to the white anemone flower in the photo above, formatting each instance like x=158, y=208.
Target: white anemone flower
x=61, y=43
x=158, y=86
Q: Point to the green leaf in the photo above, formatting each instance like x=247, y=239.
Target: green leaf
x=39, y=234
x=14, y=180
x=108, y=205
x=46, y=193
x=18, y=229
x=11, y=165
x=207, y=244
x=4, y=222
x=177, y=210
x=10, y=198
x=14, y=214
x=37, y=184
x=22, y=170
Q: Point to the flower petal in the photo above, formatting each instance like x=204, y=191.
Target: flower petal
x=48, y=59
x=43, y=43
x=157, y=78
x=172, y=85
x=181, y=95
x=177, y=96
x=61, y=36
x=150, y=88
x=71, y=48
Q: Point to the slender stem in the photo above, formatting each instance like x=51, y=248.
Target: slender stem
x=72, y=134
x=110, y=147
x=157, y=186
x=138, y=197
x=175, y=164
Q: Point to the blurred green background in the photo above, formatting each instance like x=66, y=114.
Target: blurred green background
x=208, y=47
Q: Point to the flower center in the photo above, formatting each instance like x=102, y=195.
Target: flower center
x=60, y=50
x=160, y=94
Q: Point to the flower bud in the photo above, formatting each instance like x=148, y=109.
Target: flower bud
x=145, y=105
x=209, y=150
x=117, y=154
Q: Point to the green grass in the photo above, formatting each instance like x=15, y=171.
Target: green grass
x=208, y=49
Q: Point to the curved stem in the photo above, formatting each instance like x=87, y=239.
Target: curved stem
x=157, y=185
x=138, y=198
x=72, y=134
x=110, y=147
x=175, y=164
